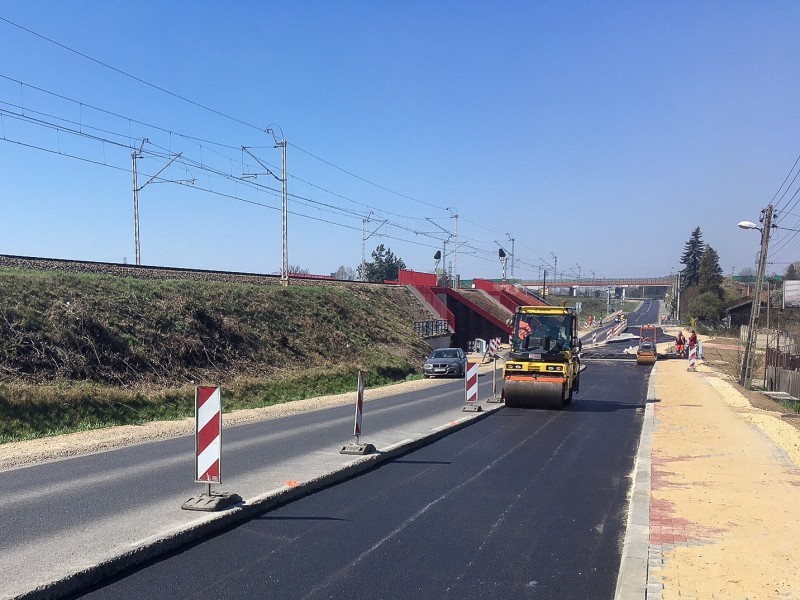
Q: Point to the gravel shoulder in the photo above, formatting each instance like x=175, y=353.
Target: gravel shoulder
x=28, y=452
x=780, y=424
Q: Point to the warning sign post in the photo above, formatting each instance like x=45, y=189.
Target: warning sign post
x=471, y=389
x=208, y=451
x=358, y=447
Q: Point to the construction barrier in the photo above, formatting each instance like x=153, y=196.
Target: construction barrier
x=692, y=359
x=494, y=345
x=495, y=398
x=359, y=406
x=471, y=388
x=594, y=337
x=208, y=434
x=208, y=451
x=358, y=447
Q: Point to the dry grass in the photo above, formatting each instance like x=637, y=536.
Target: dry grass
x=82, y=351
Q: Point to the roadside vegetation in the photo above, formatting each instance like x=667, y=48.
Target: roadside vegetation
x=81, y=351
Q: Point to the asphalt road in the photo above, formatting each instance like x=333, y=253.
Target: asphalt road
x=523, y=504
x=647, y=314
x=62, y=516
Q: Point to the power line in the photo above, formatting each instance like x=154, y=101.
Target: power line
x=380, y=187
x=200, y=141
x=134, y=77
x=778, y=208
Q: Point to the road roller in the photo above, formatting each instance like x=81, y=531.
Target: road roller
x=543, y=366
x=647, y=353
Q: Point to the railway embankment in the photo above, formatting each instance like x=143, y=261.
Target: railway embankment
x=82, y=348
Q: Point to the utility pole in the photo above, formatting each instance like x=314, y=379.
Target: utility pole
x=364, y=222
x=364, y=238
x=455, y=249
x=284, y=209
x=444, y=245
x=512, y=254
x=749, y=349
x=136, y=154
x=555, y=266
x=279, y=143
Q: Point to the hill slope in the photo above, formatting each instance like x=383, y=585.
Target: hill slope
x=69, y=340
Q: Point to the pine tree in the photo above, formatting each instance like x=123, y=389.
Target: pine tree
x=710, y=274
x=385, y=266
x=692, y=255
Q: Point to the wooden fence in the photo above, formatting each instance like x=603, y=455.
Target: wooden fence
x=783, y=369
x=786, y=381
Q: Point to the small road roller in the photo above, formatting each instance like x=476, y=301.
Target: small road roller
x=647, y=353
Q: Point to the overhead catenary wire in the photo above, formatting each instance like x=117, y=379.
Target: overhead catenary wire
x=200, y=141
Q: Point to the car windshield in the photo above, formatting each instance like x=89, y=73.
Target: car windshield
x=445, y=353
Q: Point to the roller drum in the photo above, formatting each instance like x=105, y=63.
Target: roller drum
x=534, y=394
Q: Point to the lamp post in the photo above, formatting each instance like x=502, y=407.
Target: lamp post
x=749, y=349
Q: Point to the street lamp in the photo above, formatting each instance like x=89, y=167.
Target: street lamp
x=749, y=349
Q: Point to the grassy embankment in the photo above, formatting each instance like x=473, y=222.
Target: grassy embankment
x=80, y=352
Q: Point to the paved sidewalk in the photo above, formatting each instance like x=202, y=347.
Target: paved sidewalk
x=724, y=493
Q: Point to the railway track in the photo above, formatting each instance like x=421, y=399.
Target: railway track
x=163, y=273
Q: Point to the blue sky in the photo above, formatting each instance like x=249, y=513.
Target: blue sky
x=599, y=132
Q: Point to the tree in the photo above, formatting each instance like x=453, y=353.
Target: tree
x=692, y=255
x=345, y=273
x=707, y=307
x=298, y=270
x=385, y=266
x=792, y=272
x=710, y=274
x=747, y=275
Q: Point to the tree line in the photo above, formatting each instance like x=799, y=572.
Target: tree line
x=702, y=282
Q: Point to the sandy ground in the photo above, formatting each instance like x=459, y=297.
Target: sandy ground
x=725, y=493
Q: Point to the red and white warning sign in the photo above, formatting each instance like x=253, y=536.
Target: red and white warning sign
x=471, y=383
x=494, y=345
x=359, y=406
x=208, y=434
x=692, y=359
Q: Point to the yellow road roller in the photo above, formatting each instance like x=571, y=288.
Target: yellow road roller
x=647, y=353
x=543, y=366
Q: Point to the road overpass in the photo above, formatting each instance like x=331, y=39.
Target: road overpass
x=665, y=281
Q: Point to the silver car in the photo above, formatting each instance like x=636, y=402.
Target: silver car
x=444, y=362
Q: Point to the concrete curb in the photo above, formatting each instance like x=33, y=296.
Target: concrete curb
x=634, y=564
x=207, y=526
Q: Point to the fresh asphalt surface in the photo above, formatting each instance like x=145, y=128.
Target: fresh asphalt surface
x=523, y=504
x=62, y=516
x=81, y=490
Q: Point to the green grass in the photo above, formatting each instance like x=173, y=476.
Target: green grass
x=68, y=409
x=82, y=351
